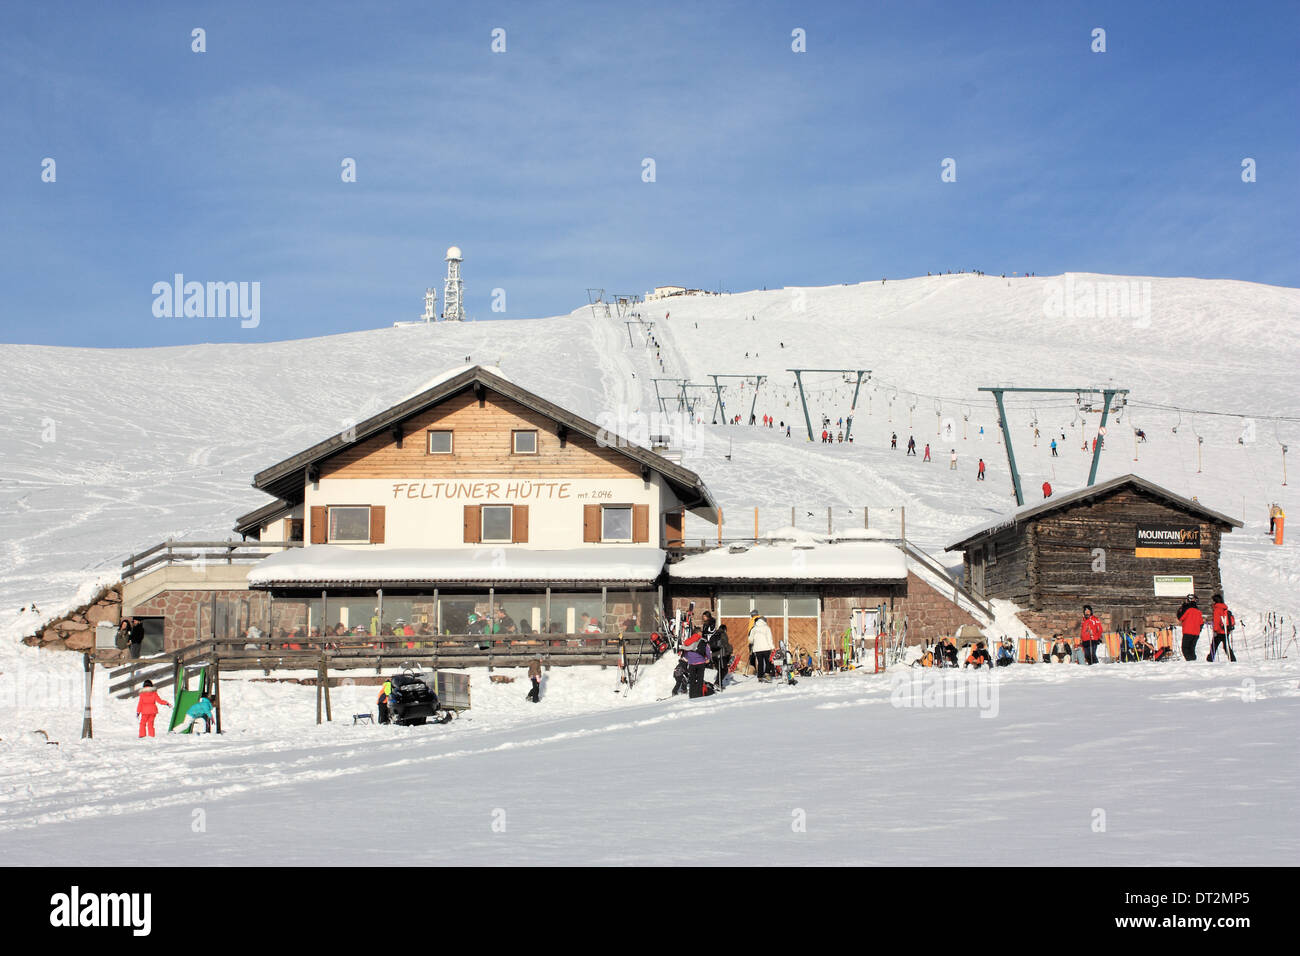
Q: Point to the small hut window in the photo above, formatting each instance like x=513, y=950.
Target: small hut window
x=440, y=443
x=525, y=442
x=498, y=524
x=350, y=525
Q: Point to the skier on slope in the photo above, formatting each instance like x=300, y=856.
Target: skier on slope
x=893, y=444
x=952, y=460
x=1192, y=620
x=911, y=446
x=927, y=452
x=980, y=475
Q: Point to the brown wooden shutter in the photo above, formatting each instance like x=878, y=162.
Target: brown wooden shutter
x=519, y=525
x=376, y=524
x=591, y=523
x=675, y=521
x=640, y=524
x=473, y=524
x=320, y=524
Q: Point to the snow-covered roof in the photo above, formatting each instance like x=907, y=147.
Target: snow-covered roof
x=802, y=560
x=324, y=564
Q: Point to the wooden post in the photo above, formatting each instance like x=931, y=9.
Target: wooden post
x=755, y=522
x=379, y=623
x=866, y=518
x=87, y=725
x=437, y=618
x=325, y=679
x=546, y=625
x=829, y=527
x=318, y=700
x=792, y=509
x=216, y=687
x=719, y=527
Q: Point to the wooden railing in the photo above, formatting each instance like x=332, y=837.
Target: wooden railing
x=189, y=552
x=377, y=654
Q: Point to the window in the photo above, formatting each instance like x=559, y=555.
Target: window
x=295, y=529
x=497, y=522
x=525, y=442
x=993, y=553
x=616, y=523
x=439, y=442
x=350, y=525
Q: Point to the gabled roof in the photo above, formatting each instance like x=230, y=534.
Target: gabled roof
x=285, y=480
x=247, y=524
x=1057, y=502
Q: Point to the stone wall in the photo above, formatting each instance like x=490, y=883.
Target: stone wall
x=76, y=631
x=187, y=614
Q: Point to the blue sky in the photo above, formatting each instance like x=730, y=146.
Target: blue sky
x=772, y=167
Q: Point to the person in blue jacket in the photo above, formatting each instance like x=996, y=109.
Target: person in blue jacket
x=199, y=711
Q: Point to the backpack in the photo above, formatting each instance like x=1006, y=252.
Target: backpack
x=1232, y=621
x=719, y=642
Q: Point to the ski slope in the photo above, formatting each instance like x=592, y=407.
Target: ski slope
x=106, y=452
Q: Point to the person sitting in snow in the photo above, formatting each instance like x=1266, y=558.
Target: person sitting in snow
x=979, y=657
x=199, y=711
x=1006, y=655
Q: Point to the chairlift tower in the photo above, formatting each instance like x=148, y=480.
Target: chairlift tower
x=453, y=302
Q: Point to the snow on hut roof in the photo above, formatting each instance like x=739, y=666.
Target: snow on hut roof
x=325, y=564
x=803, y=559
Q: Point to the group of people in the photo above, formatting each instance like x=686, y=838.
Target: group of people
x=130, y=636
x=952, y=454
x=709, y=646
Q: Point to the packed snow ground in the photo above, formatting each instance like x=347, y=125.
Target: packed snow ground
x=107, y=452
x=1145, y=764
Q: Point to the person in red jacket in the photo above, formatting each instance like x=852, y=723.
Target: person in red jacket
x=1222, y=622
x=1047, y=489
x=1191, y=619
x=1089, y=635
x=147, y=707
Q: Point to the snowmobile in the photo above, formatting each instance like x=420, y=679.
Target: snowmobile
x=413, y=699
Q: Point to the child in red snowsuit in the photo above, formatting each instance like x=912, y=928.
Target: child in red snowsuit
x=147, y=707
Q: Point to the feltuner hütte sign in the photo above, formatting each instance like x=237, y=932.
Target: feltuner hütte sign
x=1168, y=541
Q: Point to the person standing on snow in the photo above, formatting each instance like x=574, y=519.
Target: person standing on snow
x=1047, y=489
x=760, y=644
x=698, y=656
x=980, y=475
x=911, y=445
x=1054, y=454
x=893, y=444
x=1192, y=620
x=927, y=452
x=1089, y=635
x=535, y=675
x=1222, y=621
x=952, y=460
x=147, y=708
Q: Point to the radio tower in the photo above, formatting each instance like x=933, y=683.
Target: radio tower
x=430, y=306
x=453, y=306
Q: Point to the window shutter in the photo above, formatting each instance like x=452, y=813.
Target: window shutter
x=376, y=524
x=320, y=524
x=519, y=525
x=473, y=524
x=591, y=523
x=675, y=522
x=640, y=524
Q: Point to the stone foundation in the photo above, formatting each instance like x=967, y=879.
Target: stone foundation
x=76, y=631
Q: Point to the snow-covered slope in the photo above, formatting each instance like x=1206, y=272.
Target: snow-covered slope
x=107, y=451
